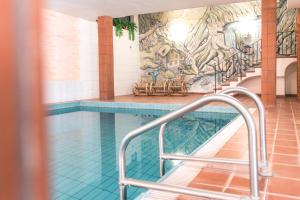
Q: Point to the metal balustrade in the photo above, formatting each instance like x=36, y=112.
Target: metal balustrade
x=237, y=65
x=124, y=181
x=286, y=43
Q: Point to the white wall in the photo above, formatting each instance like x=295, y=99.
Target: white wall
x=70, y=48
x=126, y=63
x=282, y=64
x=89, y=63
x=291, y=79
x=282, y=81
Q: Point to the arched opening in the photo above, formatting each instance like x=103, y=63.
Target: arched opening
x=291, y=79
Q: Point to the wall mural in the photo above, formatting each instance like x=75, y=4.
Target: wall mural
x=192, y=42
x=286, y=20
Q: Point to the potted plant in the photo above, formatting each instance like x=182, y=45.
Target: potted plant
x=120, y=25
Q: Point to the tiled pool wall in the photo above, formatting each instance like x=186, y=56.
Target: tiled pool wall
x=128, y=106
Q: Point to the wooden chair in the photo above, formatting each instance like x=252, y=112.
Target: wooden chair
x=143, y=87
x=161, y=86
x=178, y=86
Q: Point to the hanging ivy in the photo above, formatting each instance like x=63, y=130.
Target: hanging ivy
x=120, y=25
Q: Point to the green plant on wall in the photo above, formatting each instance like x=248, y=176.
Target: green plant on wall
x=131, y=27
x=120, y=25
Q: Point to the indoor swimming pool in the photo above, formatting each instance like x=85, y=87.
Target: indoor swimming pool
x=84, y=143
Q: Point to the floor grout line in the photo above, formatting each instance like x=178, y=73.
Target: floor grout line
x=295, y=127
x=271, y=155
x=227, y=184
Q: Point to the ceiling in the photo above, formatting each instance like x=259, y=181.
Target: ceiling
x=91, y=9
x=293, y=3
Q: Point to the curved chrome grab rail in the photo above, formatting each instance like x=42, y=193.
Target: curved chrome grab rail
x=253, y=163
x=264, y=166
x=262, y=124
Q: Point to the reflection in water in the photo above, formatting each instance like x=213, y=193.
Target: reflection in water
x=84, y=148
x=108, y=139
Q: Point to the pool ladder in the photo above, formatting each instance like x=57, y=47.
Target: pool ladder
x=256, y=168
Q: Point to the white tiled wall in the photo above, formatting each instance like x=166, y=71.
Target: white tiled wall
x=126, y=64
x=87, y=86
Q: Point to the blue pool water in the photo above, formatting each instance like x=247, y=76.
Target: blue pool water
x=84, y=146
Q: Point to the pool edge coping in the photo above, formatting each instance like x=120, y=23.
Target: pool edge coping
x=134, y=105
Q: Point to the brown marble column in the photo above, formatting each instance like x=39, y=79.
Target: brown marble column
x=298, y=51
x=268, y=77
x=106, y=58
x=23, y=156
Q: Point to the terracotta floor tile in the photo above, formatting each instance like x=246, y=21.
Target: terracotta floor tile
x=226, y=153
x=284, y=186
x=286, y=171
x=288, y=143
x=286, y=159
x=238, y=182
x=277, y=197
x=286, y=137
x=286, y=150
x=206, y=187
x=286, y=132
x=270, y=137
x=237, y=191
x=235, y=145
x=212, y=177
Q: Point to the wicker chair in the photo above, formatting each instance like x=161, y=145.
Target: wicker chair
x=143, y=87
x=161, y=86
x=178, y=86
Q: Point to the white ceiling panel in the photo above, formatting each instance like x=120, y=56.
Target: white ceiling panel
x=91, y=9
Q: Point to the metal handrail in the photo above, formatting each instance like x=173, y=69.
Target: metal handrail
x=286, y=43
x=264, y=164
x=124, y=182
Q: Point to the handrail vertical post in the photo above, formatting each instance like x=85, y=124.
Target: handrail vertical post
x=161, y=149
x=123, y=191
x=253, y=165
x=264, y=165
x=122, y=171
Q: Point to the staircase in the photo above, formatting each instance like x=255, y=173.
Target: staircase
x=247, y=62
x=242, y=65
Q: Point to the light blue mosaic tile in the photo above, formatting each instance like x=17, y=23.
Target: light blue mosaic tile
x=84, y=145
x=63, y=105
